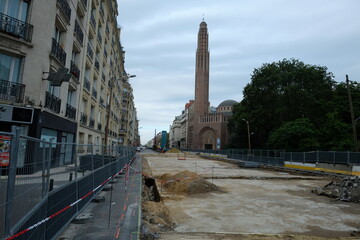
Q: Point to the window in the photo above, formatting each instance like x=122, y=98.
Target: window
x=10, y=68
x=71, y=97
x=15, y=8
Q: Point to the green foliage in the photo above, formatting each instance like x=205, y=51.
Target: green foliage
x=294, y=106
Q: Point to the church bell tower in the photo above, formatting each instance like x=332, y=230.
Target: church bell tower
x=202, y=104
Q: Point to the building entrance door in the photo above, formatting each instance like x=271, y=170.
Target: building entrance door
x=208, y=146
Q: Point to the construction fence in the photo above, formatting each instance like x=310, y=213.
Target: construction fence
x=279, y=157
x=44, y=184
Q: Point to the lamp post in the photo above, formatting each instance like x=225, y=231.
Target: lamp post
x=248, y=130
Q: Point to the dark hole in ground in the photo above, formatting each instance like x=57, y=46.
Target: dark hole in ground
x=153, y=190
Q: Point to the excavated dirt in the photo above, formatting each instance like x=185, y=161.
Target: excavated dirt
x=186, y=182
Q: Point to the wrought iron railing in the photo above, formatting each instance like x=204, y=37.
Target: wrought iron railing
x=86, y=84
x=65, y=8
x=70, y=111
x=91, y=123
x=74, y=70
x=11, y=91
x=97, y=65
x=83, y=118
x=99, y=38
x=52, y=102
x=58, y=52
x=92, y=20
x=94, y=92
x=90, y=52
x=15, y=27
x=84, y=2
x=78, y=32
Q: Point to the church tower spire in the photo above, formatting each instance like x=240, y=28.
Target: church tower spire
x=202, y=71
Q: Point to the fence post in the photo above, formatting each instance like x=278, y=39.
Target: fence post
x=44, y=167
x=49, y=165
x=11, y=179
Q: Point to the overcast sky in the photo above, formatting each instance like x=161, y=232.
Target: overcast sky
x=160, y=38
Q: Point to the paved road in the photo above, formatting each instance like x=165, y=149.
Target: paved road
x=124, y=205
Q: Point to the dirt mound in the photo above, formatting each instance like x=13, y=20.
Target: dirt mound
x=186, y=182
x=347, y=189
x=173, y=150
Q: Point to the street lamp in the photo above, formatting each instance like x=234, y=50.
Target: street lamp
x=248, y=130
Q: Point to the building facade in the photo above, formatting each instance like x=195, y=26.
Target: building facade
x=62, y=73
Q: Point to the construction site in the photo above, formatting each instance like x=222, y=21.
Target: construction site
x=186, y=196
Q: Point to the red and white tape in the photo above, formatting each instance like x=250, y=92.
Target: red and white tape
x=67, y=207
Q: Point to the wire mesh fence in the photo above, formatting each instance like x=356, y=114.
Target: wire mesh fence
x=279, y=157
x=39, y=178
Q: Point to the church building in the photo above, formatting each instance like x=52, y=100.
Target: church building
x=207, y=126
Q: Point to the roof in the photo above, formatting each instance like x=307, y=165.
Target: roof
x=228, y=103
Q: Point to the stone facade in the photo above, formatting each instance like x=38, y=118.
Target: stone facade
x=45, y=37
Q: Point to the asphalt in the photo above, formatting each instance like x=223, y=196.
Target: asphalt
x=118, y=217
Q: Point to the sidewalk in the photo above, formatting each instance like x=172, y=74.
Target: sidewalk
x=124, y=205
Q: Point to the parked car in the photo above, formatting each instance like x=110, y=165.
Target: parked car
x=138, y=149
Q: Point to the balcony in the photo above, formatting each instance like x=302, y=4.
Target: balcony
x=83, y=119
x=102, y=102
x=15, y=27
x=99, y=126
x=91, y=123
x=57, y=52
x=94, y=93
x=52, y=102
x=65, y=9
x=79, y=33
x=74, y=70
x=70, y=112
x=86, y=84
x=11, y=91
x=97, y=65
x=99, y=38
x=101, y=10
x=82, y=5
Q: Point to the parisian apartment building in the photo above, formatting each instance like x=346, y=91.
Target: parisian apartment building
x=62, y=72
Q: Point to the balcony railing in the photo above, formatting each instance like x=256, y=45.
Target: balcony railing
x=91, y=123
x=74, y=70
x=58, y=52
x=65, y=8
x=101, y=11
x=94, y=92
x=15, y=27
x=83, y=118
x=97, y=65
x=11, y=91
x=92, y=20
x=52, y=102
x=99, y=38
x=99, y=126
x=84, y=2
x=70, y=111
x=90, y=52
x=86, y=84
x=78, y=32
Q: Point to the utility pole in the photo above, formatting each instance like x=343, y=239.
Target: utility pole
x=352, y=115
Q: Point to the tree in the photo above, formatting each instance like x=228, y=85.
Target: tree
x=282, y=92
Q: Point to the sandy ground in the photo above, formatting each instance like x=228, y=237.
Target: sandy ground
x=252, y=201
